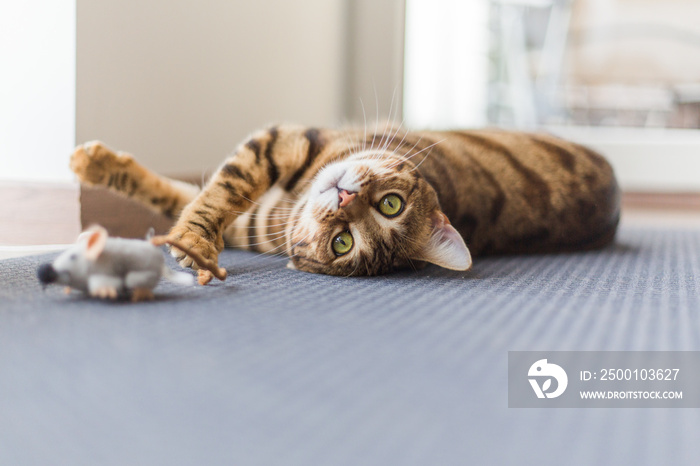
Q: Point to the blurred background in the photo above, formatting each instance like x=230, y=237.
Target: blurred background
x=622, y=76
x=179, y=83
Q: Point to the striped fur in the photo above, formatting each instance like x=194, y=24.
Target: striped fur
x=281, y=192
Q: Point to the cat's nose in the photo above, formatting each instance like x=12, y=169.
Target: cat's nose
x=345, y=197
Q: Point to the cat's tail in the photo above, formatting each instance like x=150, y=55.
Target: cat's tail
x=179, y=278
x=97, y=165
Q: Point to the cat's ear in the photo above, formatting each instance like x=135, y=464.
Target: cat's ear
x=445, y=247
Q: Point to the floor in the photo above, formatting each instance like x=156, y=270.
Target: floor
x=273, y=363
x=275, y=366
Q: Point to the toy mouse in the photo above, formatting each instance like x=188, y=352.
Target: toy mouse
x=107, y=267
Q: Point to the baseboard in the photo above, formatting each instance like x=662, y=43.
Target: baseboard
x=120, y=216
x=689, y=202
x=39, y=213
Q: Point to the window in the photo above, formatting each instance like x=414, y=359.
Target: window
x=37, y=89
x=622, y=76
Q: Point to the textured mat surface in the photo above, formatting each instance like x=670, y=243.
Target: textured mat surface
x=281, y=367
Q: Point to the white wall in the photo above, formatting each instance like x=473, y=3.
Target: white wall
x=37, y=89
x=179, y=83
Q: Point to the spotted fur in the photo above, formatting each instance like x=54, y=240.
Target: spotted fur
x=281, y=192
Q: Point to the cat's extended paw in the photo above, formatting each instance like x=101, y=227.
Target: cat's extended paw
x=94, y=163
x=193, y=242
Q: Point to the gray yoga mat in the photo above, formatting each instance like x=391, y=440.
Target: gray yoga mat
x=281, y=367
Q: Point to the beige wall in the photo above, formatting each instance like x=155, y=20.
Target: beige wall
x=375, y=60
x=179, y=83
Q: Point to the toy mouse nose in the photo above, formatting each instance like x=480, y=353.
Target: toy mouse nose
x=345, y=197
x=46, y=273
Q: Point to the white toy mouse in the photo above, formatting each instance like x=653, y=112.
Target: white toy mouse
x=105, y=267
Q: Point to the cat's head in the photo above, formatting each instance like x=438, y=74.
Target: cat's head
x=369, y=214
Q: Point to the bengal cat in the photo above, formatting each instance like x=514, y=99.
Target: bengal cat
x=345, y=202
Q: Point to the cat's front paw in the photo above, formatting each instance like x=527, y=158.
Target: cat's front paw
x=191, y=241
x=94, y=163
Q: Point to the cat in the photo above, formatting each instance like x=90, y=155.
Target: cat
x=348, y=202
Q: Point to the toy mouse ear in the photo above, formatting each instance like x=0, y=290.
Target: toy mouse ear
x=445, y=247
x=96, y=240
x=82, y=237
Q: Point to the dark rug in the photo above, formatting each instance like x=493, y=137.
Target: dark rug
x=281, y=367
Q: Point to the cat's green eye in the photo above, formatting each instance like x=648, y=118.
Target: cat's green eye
x=391, y=205
x=342, y=243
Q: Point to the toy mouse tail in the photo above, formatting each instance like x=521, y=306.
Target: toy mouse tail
x=179, y=278
x=202, y=262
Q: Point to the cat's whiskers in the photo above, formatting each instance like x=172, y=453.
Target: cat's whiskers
x=381, y=151
x=282, y=249
x=349, y=141
x=281, y=209
x=304, y=238
x=393, y=137
x=364, y=116
x=385, y=134
x=264, y=235
x=408, y=158
x=259, y=204
x=376, y=155
x=291, y=248
x=280, y=254
x=366, y=268
x=289, y=199
x=268, y=225
x=401, y=142
x=280, y=215
x=357, y=265
x=395, y=152
x=420, y=163
x=404, y=157
x=387, y=126
x=403, y=249
x=268, y=241
x=275, y=256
